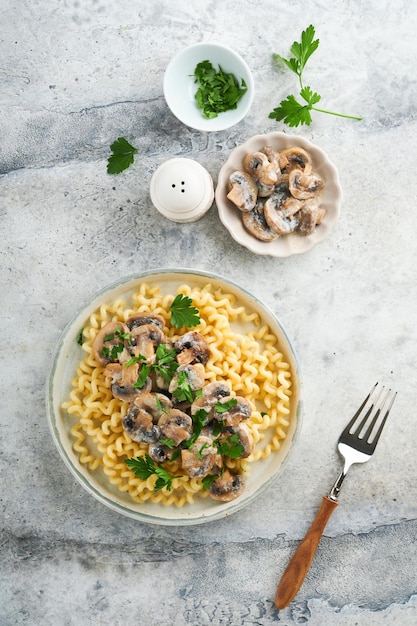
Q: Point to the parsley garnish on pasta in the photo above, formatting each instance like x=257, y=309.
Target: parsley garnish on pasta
x=183, y=312
x=144, y=467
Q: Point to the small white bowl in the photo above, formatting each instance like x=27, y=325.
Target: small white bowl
x=293, y=243
x=180, y=86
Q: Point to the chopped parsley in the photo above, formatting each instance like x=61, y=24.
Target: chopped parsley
x=183, y=391
x=223, y=407
x=207, y=481
x=218, y=91
x=199, y=421
x=145, y=370
x=230, y=447
x=166, y=363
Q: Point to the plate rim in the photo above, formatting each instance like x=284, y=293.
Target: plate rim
x=138, y=510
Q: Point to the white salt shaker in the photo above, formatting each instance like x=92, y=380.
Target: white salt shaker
x=182, y=190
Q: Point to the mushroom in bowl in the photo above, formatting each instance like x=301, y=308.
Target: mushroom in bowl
x=278, y=195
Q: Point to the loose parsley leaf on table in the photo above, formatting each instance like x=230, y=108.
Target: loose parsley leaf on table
x=144, y=466
x=122, y=157
x=218, y=91
x=183, y=313
x=290, y=110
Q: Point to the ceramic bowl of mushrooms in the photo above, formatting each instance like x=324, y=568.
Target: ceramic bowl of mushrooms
x=278, y=195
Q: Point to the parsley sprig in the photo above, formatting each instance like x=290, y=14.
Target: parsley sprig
x=183, y=312
x=290, y=110
x=218, y=91
x=122, y=157
x=143, y=467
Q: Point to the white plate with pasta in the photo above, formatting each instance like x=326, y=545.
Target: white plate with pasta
x=249, y=351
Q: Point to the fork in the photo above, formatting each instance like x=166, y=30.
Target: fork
x=356, y=444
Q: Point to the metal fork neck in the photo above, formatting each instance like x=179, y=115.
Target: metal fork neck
x=335, y=490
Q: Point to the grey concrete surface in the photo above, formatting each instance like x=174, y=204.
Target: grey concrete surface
x=76, y=75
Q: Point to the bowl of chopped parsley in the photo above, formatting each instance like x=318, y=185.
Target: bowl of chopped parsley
x=208, y=87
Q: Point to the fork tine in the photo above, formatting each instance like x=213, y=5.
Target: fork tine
x=384, y=419
x=375, y=405
x=359, y=411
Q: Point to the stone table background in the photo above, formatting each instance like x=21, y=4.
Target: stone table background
x=76, y=75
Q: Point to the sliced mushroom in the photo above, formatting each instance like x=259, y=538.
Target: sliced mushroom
x=241, y=410
x=272, y=156
x=144, y=341
x=139, y=319
x=308, y=217
x=156, y=404
x=227, y=487
x=199, y=460
x=141, y=420
x=320, y=215
x=264, y=191
x=159, y=452
x=193, y=375
x=242, y=435
x=260, y=168
x=210, y=395
x=140, y=426
x=109, y=345
x=255, y=223
x=242, y=190
x=295, y=157
x=192, y=348
x=176, y=425
x=280, y=209
x=123, y=380
x=304, y=186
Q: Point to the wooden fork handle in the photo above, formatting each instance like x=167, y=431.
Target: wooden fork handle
x=297, y=568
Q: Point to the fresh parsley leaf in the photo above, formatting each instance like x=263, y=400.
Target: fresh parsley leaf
x=113, y=352
x=217, y=427
x=201, y=450
x=166, y=363
x=122, y=157
x=290, y=110
x=183, y=313
x=135, y=359
x=160, y=408
x=218, y=91
x=183, y=391
x=230, y=447
x=169, y=443
x=145, y=466
x=208, y=481
x=223, y=407
x=143, y=375
x=199, y=421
